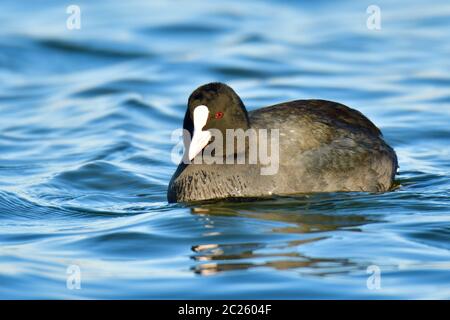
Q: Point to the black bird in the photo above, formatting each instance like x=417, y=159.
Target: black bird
x=323, y=146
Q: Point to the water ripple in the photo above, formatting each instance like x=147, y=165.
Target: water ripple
x=85, y=128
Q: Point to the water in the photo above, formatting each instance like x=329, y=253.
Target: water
x=85, y=126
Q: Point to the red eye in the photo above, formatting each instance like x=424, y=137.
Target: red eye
x=218, y=115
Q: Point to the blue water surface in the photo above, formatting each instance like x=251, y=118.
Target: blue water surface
x=86, y=117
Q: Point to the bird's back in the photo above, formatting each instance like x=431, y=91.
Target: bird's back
x=326, y=146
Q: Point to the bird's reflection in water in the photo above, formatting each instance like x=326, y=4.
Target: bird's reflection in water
x=309, y=223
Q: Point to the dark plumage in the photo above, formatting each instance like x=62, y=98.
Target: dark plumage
x=324, y=146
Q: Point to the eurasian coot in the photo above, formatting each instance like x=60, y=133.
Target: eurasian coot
x=319, y=146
